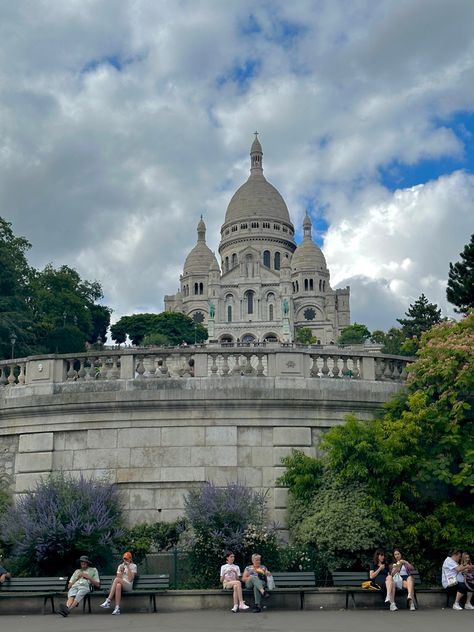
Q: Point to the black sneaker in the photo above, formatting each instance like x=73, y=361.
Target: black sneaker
x=257, y=609
x=266, y=594
x=63, y=610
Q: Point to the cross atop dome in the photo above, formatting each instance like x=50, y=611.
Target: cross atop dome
x=256, y=156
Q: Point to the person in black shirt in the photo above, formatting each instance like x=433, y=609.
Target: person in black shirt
x=380, y=574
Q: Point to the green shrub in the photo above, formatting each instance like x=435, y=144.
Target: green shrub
x=146, y=538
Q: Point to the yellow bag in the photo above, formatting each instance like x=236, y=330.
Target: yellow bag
x=368, y=585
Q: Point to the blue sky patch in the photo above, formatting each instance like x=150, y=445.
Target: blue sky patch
x=116, y=61
x=320, y=225
x=241, y=74
x=398, y=175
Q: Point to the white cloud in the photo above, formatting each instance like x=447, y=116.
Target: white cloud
x=122, y=122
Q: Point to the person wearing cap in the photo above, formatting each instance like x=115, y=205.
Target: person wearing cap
x=126, y=573
x=81, y=583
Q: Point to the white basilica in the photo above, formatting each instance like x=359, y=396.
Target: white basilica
x=266, y=287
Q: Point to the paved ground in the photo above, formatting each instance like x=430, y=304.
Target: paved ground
x=276, y=621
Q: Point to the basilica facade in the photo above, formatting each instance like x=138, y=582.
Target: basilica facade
x=266, y=287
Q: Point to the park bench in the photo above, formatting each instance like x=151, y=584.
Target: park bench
x=26, y=587
x=144, y=585
x=351, y=582
x=293, y=582
x=297, y=582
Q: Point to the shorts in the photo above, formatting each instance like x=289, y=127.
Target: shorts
x=126, y=586
x=229, y=584
x=78, y=591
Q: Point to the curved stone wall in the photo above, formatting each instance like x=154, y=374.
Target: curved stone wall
x=158, y=435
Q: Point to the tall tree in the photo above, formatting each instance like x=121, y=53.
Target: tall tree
x=460, y=290
x=15, y=273
x=421, y=316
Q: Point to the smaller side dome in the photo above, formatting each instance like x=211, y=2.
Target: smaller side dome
x=308, y=256
x=201, y=257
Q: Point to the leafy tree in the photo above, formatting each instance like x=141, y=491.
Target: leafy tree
x=176, y=327
x=15, y=315
x=460, y=290
x=155, y=340
x=145, y=538
x=421, y=316
x=415, y=464
x=304, y=335
x=355, y=334
x=64, y=517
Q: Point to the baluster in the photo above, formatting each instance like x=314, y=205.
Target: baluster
x=22, y=374
x=335, y=368
x=225, y=365
x=11, y=377
x=260, y=369
x=378, y=368
x=81, y=374
x=140, y=368
x=314, y=370
x=345, y=369
x=89, y=369
x=164, y=368
x=355, y=367
x=3, y=376
x=71, y=375
x=214, y=366
x=403, y=371
x=325, y=368
x=387, y=374
x=113, y=372
x=103, y=368
x=153, y=370
x=248, y=369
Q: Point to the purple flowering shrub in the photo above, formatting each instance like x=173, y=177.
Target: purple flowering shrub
x=47, y=529
x=233, y=518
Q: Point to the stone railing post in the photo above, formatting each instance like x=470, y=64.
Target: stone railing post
x=127, y=366
x=200, y=365
x=367, y=368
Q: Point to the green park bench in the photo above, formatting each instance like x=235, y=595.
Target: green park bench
x=25, y=587
x=351, y=582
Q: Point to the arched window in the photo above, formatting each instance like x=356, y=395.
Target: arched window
x=306, y=285
x=266, y=258
x=227, y=264
x=234, y=260
x=297, y=286
x=324, y=286
x=311, y=287
x=229, y=313
x=196, y=288
x=201, y=288
x=270, y=312
x=277, y=260
x=249, y=299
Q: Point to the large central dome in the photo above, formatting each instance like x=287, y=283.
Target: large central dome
x=257, y=197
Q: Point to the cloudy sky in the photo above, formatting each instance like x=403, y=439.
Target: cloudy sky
x=121, y=121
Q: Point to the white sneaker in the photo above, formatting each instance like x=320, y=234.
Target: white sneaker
x=412, y=605
x=116, y=610
x=243, y=605
x=235, y=608
x=393, y=606
x=469, y=606
x=457, y=606
x=106, y=604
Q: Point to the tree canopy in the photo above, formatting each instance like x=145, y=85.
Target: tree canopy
x=415, y=464
x=355, y=334
x=174, y=328
x=52, y=310
x=460, y=290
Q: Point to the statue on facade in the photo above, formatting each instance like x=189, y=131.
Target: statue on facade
x=212, y=311
x=286, y=307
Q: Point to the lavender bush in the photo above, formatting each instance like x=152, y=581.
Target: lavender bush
x=64, y=517
x=233, y=517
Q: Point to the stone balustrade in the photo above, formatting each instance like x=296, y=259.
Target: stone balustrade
x=202, y=362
